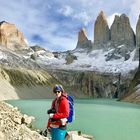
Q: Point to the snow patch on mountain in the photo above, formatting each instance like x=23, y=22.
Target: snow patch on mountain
x=2, y=56
x=113, y=60
x=95, y=60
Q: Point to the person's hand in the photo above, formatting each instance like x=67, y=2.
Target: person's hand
x=64, y=120
x=51, y=115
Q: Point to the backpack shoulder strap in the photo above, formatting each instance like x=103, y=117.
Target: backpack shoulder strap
x=70, y=99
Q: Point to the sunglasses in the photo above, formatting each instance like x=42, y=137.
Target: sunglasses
x=57, y=91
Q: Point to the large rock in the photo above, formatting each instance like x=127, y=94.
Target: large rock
x=83, y=41
x=121, y=32
x=138, y=33
x=11, y=37
x=101, y=30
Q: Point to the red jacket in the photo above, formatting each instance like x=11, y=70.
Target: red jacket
x=61, y=107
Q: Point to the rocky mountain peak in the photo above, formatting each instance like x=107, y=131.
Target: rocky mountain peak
x=101, y=29
x=121, y=31
x=11, y=37
x=102, y=16
x=116, y=18
x=82, y=37
x=83, y=41
x=123, y=16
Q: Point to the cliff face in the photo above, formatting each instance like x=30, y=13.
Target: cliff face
x=11, y=37
x=133, y=94
x=101, y=30
x=121, y=31
x=91, y=84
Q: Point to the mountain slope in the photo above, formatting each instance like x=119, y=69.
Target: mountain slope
x=25, y=84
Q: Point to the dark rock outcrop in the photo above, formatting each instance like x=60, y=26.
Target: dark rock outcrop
x=70, y=58
x=101, y=30
x=83, y=41
x=121, y=32
x=118, y=53
x=37, y=48
x=11, y=37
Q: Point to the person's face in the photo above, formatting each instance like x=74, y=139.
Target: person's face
x=58, y=94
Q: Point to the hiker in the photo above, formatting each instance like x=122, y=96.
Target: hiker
x=58, y=114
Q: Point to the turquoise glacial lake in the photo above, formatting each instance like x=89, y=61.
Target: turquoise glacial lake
x=104, y=119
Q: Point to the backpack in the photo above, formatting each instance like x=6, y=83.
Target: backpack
x=71, y=108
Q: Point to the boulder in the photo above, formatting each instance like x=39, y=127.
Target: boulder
x=78, y=135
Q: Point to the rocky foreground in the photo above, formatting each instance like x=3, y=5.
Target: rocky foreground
x=16, y=126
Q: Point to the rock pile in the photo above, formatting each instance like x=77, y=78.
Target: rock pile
x=15, y=126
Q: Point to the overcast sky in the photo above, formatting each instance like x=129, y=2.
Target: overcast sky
x=54, y=24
